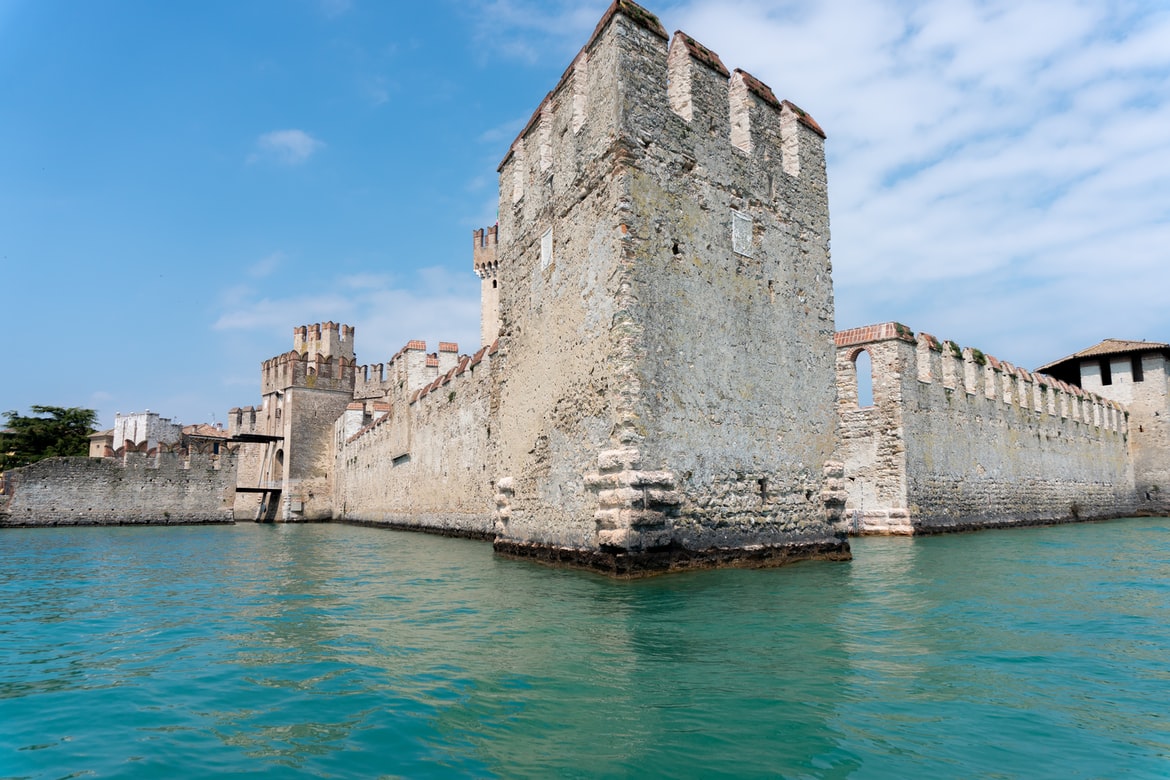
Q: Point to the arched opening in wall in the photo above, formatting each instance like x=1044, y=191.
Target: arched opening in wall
x=278, y=467
x=863, y=374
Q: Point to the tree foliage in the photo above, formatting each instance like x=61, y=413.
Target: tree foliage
x=51, y=431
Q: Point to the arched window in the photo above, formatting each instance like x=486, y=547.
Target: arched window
x=863, y=374
x=278, y=467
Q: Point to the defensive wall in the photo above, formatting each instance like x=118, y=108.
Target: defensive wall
x=410, y=369
x=148, y=490
x=421, y=457
x=957, y=439
x=663, y=387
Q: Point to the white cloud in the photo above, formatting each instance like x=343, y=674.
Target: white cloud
x=533, y=30
x=286, y=147
x=504, y=133
x=999, y=172
x=266, y=265
x=434, y=304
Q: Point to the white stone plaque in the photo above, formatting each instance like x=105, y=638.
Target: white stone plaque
x=741, y=233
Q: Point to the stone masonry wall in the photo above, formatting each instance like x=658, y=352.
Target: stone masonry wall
x=162, y=489
x=425, y=462
x=729, y=237
x=666, y=310
x=561, y=326
x=956, y=439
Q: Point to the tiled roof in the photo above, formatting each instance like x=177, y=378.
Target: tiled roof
x=1110, y=347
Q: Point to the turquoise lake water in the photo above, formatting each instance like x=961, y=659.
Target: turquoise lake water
x=339, y=651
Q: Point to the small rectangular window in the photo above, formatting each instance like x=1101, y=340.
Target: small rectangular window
x=1138, y=376
x=1106, y=373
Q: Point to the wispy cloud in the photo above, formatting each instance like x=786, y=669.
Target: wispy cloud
x=503, y=133
x=285, y=147
x=265, y=265
x=531, y=30
x=432, y=304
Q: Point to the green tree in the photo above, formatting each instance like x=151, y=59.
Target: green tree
x=52, y=431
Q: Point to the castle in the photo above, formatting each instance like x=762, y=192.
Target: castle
x=660, y=385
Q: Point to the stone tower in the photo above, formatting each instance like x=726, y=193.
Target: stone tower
x=305, y=390
x=486, y=263
x=666, y=316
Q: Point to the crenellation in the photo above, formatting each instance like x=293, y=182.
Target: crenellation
x=991, y=372
x=1005, y=383
x=580, y=78
x=1025, y=447
x=972, y=372
x=952, y=367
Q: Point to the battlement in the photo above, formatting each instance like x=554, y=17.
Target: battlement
x=484, y=242
x=465, y=363
x=409, y=369
x=322, y=358
x=144, y=432
x=327, y=339
x=314, y=371
x=968, y=370
x=673, y=92
x=377, y=415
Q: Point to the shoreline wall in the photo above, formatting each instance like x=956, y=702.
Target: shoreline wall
x=166, y=489
x=956, y=440
x=421, y=458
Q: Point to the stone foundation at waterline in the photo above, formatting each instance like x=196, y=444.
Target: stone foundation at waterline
x=165, y=489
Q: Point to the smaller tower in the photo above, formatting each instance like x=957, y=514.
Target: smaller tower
x=483, y=256
x=304, y=391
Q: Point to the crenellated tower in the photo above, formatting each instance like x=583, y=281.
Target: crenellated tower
x=288, y=463
x=486, y=263
x=665, y=315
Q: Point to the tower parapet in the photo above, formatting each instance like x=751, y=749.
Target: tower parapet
x=410, y=369
x=327, y=339
x=322, y=358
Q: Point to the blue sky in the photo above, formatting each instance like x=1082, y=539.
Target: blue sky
x=182, y=183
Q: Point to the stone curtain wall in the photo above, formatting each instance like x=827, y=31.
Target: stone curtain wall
x=155, y=490
x=957, y=439
x=424, y=458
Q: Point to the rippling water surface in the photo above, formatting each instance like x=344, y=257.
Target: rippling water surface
x=338, y=651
